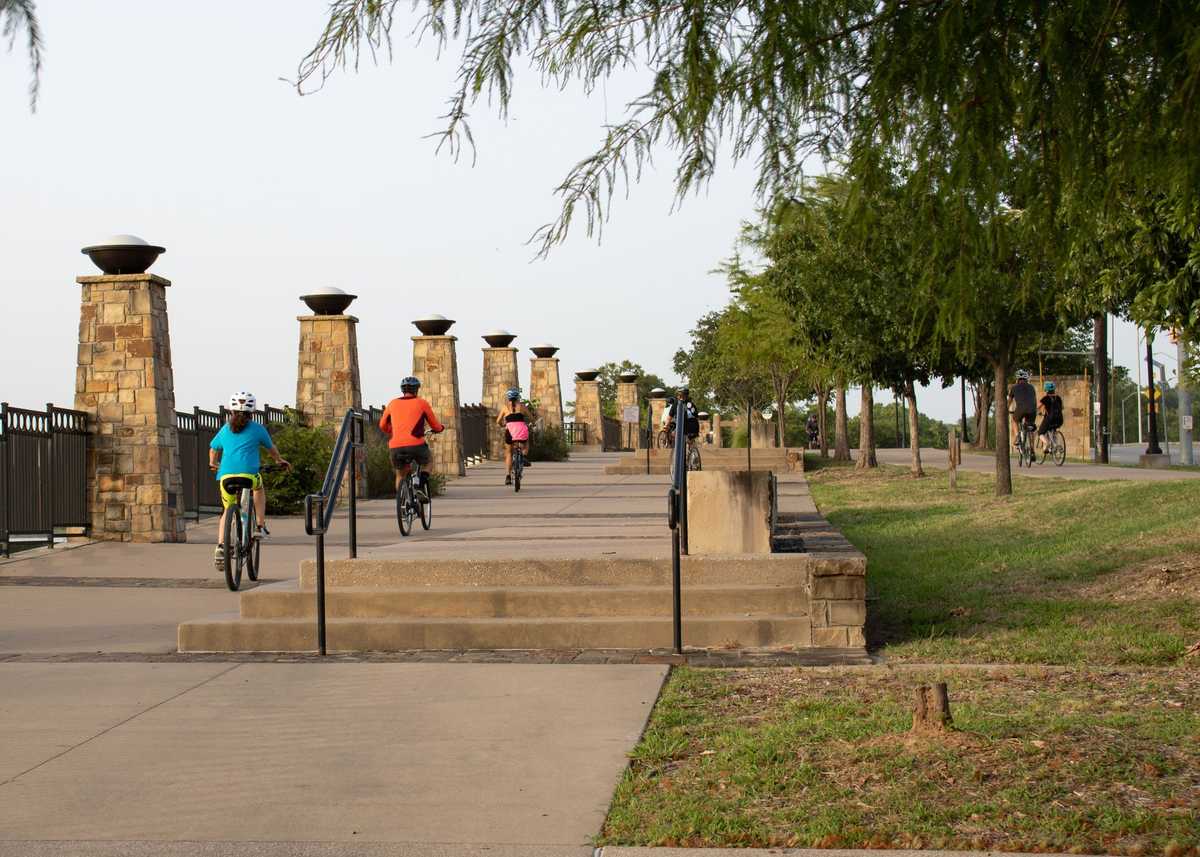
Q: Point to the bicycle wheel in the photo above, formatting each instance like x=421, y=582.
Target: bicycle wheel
x=253, y=544
x=404, y=507
x=518, y=469
x=232, y=538
x=693, y=458
x=426, y=498
x=664, y=440
x=1060, y=448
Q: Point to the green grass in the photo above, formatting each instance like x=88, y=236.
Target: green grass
x=1062, y=572
x=1087, y=761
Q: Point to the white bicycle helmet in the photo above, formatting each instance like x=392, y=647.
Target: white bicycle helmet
x=244, y=402
x=1022, y=375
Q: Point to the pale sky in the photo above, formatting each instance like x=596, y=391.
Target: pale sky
x=170, y=121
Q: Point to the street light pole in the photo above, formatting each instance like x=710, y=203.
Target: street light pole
x=1185, y=403
x=1153, y=448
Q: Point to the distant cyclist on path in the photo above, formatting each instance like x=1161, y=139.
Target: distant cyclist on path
x=691, y=419
x=404, y=421
x=514, y=418
x=1022, y=404
x=1051, y=407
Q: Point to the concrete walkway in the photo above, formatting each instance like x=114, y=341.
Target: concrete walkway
x=979, y=462
x=331, y=758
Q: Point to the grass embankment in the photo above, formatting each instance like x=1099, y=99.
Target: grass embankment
x=1063, y=572
x=1101, y=757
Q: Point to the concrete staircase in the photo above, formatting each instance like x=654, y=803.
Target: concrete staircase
x=712, y=458
x=392, y=604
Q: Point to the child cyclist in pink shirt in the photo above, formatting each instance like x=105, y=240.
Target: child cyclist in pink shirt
x=514, y=417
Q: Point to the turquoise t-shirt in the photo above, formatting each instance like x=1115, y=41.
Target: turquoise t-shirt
x=239, y=450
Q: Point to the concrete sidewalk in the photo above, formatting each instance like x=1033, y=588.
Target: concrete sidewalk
x=465, y=754
x=981, y=462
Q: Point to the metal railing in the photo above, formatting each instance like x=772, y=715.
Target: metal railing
x=319, y=508
x=43, y=472
x=575, y=433
x=474, y=430
x=677, y=513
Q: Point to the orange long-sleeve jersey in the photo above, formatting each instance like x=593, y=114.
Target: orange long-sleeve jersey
x=404, y=419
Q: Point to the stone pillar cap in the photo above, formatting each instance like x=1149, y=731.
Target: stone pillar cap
x=123, y=254
x=658, y=393
x=433, y=324
x=499, y=338
x=587, y=374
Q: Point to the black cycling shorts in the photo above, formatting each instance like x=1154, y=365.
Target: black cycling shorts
x=1050, y=424
x=1029, y=418
x=402, y=456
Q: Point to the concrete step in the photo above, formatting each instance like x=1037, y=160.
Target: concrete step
x=551, y=602
x=659, y=469
x=229, y=633
x=744, y=570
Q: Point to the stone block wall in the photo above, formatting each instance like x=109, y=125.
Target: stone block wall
x=839, y=600
x=587, y=410
x=657, y=406
x=1076, y=392
x=327, y=377
x=124, y=381
x=717, y=441
x=435, y=362
x=627, y=397
x=546, y=389
x=499, y=376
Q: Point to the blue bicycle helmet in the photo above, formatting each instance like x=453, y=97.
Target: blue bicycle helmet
x=410, y=383
x=1048, y=387
x=513, y=395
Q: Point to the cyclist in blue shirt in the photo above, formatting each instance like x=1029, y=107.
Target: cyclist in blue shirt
x=235, y=452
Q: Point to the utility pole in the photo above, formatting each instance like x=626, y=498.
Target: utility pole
x=1099, y=335
x=1185, y=402
x=1153, y=448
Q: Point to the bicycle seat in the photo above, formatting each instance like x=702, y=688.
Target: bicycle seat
x=233, y=484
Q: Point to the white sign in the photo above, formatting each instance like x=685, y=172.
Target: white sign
x=1186, y=420
x=631, y=414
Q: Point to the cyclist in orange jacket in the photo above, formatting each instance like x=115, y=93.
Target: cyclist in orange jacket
x=404, y=421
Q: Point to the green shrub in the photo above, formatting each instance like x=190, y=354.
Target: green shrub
x=309, y=451
x=548, y=444
x=381, y=476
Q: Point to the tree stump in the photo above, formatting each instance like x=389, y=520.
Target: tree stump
x=931, y=708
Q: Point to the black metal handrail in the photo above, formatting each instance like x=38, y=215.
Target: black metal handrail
x=677, y=511
x=319, y=508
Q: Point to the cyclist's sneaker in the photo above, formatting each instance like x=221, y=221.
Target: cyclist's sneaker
x=219, y=558
x=262, y=532
x=508, y=479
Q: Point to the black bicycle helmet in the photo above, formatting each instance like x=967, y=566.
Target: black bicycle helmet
x=410, y=383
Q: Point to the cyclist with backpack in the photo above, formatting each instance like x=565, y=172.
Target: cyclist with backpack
x=1051, y=408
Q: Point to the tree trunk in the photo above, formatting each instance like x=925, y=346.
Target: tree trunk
x=866, y=429
x=781, y=391
x=982, y=393
x=841, y=431
x=1003, y=461
x=822, y=421
x=931, y=708
x=914, y=428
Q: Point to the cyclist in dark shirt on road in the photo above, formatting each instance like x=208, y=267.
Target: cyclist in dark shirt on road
x=691, y=418
x=1022, y=404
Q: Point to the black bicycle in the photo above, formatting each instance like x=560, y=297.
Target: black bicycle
x=414, y=501
x=1026, y=438
x=243, y=546
x=518, y=465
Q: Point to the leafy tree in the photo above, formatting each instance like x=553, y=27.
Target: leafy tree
x=609, y=377
x=716, y=371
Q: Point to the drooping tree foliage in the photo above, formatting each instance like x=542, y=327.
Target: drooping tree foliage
x=17, y=16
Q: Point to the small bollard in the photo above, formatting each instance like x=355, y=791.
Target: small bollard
x=954, y=452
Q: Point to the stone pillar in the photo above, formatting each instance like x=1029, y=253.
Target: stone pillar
x=657, y=406
x=627, y=397
x=587, y=406
x=124, y=381
x=705, y=429
x=1076, y=392
x=716, y=431
x=544, y=385
x=327, y=380
x=435, y=362
x=499, y=376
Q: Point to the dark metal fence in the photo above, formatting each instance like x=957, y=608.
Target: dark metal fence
x=43, y=472
x=575, y=433
x=475, y=419
x=611, y=429
x=196, y=431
